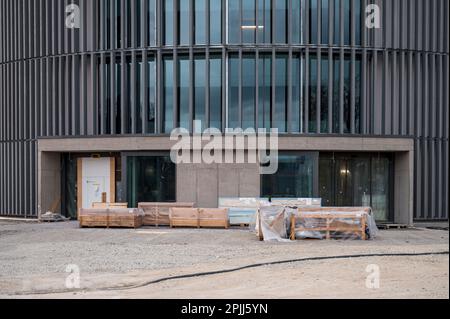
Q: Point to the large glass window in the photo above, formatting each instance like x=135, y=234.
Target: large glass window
x=265, y=21
x=215, y=91
x=297, y=101
x=199, y=90
x=107, y=95
x=200, y=21
x=324, y=22
x=357, y=180
x=118, y=10
x=248, y=91
x=297, y=22
x=336, y=92
x=151, y=16
x=168, y=21
x=183, y=92
x=234, y=21
x=168, y=98
x=281, y=92
x=265, y=91
x=233, y=91
x=118, y=95
x=106, y=24
x=312, y=110
x=347, y=21
x=313, y=21
x=139, y=97
x=248, y=26
x=130, y=97
x=337, y=22
x=294, y=178
x=215, y=20
x=150, y=179
x=347, y=95
x=281, y=20
x=324, y=94
x=183, y=22
x=151, y=88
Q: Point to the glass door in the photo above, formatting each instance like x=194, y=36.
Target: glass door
x=357, y=180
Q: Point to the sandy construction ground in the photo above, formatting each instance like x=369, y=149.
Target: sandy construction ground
x=35, y=260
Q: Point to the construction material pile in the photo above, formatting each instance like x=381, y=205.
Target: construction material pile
x=281, y=223
x=111, y=218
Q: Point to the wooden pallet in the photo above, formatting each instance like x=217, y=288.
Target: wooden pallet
x=110, y=218
x=157, y=214
x=331, y=220
x=199, y=217
x=184, y=217
x=213, y=218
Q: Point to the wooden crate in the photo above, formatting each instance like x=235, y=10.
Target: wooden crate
x=330, y=220
x=213, y=218
x=109, y=205
x=110, y=218
x=157, y=214
x=184, y=217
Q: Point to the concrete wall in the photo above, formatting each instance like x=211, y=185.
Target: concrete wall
x=204, y=184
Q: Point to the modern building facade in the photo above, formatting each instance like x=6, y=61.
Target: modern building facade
x=362, y=112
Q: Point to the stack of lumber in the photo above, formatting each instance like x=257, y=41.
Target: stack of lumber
x=109, y=205
x=331, y=223
x=199, y=217
x=157, y=214
x=110, y=218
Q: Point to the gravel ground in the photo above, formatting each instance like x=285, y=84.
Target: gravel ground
x=34, y=257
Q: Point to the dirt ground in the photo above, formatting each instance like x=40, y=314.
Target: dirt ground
x=36, y=260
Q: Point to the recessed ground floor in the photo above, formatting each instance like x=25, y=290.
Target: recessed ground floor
x=354, y=171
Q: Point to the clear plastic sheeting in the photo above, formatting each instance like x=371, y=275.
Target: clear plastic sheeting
x=343, y=224
x=272, y=223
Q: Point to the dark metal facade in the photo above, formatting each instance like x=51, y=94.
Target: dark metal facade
x=54, y=81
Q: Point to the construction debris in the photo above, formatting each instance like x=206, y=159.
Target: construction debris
x=50, y=217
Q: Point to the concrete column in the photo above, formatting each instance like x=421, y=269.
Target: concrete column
x=49, y=181
x=404, y=188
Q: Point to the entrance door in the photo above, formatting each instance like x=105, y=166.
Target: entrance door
x=357, y=180
x=95, y=177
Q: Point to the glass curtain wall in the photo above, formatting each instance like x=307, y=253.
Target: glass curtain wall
x=150, y=179
x=357, y=180
x=201, y=15
x=294, y=178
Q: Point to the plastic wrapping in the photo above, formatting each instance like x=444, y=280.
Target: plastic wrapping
x=335, y=223
x=272, y=223
x=157, y=214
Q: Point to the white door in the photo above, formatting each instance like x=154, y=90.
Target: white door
x=96, y=180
